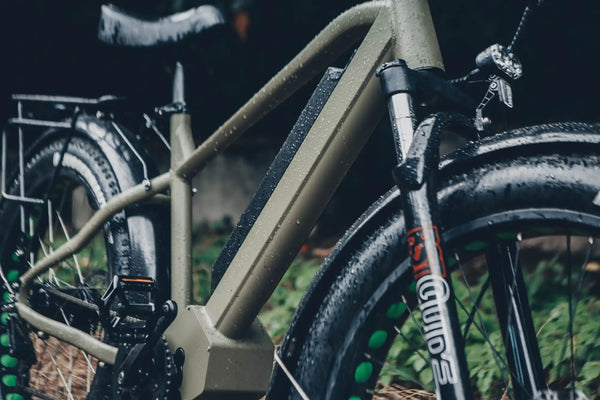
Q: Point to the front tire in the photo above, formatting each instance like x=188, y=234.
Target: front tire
x=368, y=320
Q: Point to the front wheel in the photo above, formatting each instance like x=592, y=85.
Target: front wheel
x=366, y=339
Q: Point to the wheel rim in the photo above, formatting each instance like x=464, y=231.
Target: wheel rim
x=391, y=313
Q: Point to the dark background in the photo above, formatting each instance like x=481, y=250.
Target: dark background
x=50, y=47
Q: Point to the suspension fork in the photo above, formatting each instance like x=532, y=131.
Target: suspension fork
x=418, y=154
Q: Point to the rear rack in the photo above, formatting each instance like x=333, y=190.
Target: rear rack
x=65, y=119
x=63, y=113
x=77, y=103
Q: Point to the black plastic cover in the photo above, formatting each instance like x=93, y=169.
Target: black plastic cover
x=276, y=170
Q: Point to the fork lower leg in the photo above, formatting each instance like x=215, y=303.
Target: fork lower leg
x=435, y=295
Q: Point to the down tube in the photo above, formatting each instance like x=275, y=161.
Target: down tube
x=330, y=147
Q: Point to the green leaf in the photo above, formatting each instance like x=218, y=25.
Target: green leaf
x=591, y=370
x=386, y=379
x=426, y=377
x=419, y=363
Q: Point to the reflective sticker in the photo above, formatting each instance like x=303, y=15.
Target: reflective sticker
x=9, y=380
x=377, y=339
x=8, y=361
x=363, y=372
x=476, y=245
x=396, y=310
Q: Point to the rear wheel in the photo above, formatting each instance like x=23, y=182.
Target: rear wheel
x=533, y=214
x=32, y=364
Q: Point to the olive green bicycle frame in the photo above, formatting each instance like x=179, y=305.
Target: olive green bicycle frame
x=226, y=348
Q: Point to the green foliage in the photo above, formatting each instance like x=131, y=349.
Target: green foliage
x=92, y=262
x=547, y=282
x=204, y=254
x=407, y=360
x=277, y=314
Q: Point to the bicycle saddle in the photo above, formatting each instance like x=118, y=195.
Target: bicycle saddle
x=117, y=27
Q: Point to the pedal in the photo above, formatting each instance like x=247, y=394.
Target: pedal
x=134, y=294
x=132, y=361
x=127, y=308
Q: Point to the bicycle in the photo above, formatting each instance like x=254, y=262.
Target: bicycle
x=128, y=324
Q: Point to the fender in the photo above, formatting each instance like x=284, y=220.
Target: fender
x=149, y=241
x=386, y=214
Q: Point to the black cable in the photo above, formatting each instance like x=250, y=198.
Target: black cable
x=76, y=113
x=465, y=78
x=520, y=28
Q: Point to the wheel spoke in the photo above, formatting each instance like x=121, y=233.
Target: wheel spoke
x=582, y=274
x=515, y=269
x=59, y=372
x=570, y=325
x=31, y=234
x=291, y=378
x=5, y=282
x=70, y=377
x=85, y=355
x=36, y=393
x=500, y=361
x=51, y=273
x=67, y=292
x=50, y=223
x=412, y=345
x=62, y=224
x=475, y=308
x=515, y=318
x=410, y=313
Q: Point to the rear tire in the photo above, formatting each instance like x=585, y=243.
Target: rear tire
x=85, y=182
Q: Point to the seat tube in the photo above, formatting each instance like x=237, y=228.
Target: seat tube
x=182, y=145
